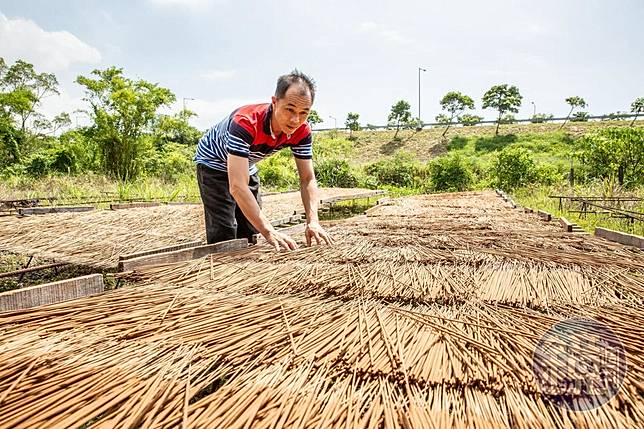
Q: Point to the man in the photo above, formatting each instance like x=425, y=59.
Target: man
x=227, y=174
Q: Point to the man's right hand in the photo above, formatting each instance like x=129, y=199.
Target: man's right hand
x=279, y=240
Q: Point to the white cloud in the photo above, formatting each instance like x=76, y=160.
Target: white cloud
x=218, y=74
x=385, y=33
x=210, y=112
x=46, y=50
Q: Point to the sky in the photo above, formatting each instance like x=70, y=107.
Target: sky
x=216, y=55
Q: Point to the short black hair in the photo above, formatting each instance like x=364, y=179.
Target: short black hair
x=295, y=77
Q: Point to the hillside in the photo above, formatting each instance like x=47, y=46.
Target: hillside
x=371, y=146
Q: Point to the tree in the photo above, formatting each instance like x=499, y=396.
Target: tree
x=29, y=87
x=352, y=123
x=314, y=118
x=10, y=142
x=175, y=129
x=122, y=110
x=504, y=99
x=400, y=116
x=455, y=103
x=573, y=102
x=637, y=107
x=21, y=91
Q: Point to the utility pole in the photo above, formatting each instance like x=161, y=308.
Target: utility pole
x=534, y=112
x=420, y=121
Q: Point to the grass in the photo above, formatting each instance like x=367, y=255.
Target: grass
x=537, y=199
x=371, y=146
x=72, y=189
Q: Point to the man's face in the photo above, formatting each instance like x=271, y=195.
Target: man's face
x=292, y=110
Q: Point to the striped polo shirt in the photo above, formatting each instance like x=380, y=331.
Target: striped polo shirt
x=247, y=132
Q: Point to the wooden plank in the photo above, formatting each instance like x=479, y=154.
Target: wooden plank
x=32, y=269
x=384, y=201
x=121, y=206
x=183, y=254
x=358, y=196
x=161, y=250
x=566, y=224
x=296, y=218
x=544, y=215
x=48, y=210
x=620, y=237
x=183, y=203
x=370, y=211
x=50, y=293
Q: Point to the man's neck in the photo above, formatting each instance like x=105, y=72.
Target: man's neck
x=273, y=134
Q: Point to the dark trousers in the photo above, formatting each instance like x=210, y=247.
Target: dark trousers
x=224, y=219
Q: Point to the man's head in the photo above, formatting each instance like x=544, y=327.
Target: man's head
x=292, y=101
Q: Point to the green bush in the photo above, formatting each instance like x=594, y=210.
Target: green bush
x=279, y=172
x=514, y=167
x=540, y=118
x=508, y=119
x=615, y=152
x=58, y=159
x=580, y=117
x=171, y=162
x=469, y=120
x=335, y=173
x=403, y=171
x=548, y=174
x=450, y=173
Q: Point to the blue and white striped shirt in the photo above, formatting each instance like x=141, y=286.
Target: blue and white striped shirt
x=247, y=132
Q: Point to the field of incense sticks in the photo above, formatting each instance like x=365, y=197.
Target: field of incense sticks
x=97, y=238
x=424, y=313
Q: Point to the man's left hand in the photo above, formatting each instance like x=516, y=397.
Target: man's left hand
x=315, y=231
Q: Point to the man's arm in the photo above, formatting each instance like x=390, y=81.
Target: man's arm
x=238, y=186
x=309, y=194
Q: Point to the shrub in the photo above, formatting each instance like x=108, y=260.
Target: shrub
x=58, y=159
x=615, y=116
x=278, y=172
x=450, y=173
x=514, y=167
x=548, y=174
x=614, y=152
x=580, y=117
x=540, y=118
x=469, y=120
x=174, y=161
x=508, y=119
x=403, y=170
x=335, y=173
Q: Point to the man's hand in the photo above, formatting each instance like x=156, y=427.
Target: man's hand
x=315, y=231
x=279, y=240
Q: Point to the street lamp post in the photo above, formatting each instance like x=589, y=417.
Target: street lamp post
x=420, y=121
x=335, y=122
x=534, y=110
x=184, y=102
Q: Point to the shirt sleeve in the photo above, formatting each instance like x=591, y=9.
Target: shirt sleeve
x=240, y=137
x=304, y=148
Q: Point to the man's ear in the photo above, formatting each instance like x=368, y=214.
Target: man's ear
x=273, y=100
